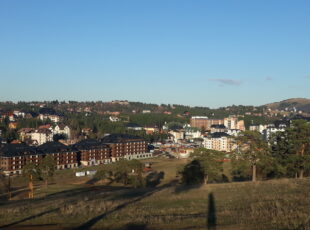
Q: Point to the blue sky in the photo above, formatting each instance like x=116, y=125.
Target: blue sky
x=208, y=53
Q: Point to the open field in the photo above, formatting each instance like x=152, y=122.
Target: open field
x=71, y=203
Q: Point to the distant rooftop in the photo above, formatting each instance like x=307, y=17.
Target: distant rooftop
x=115, y=138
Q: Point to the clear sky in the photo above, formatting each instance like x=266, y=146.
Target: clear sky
x=209, y=53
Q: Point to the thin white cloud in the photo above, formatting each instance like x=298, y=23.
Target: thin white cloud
x=308, y=77
x=268, y=78
x=227, y=81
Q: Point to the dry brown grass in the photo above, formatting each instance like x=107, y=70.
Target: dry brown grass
x=276, y=204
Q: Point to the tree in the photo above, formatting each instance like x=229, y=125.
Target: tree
x=192, y=173
x=121, y=172
x=6, y=181
x=104, y=174
x=31, y=172
x=129, y=172
x=136, y=168
x=299, y=137
x=211, y=162
x=47, y=168
x=292, y=148
x=251, y=149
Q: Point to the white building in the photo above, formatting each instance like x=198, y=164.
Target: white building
x=271, y=129
x=233, y=132
x=220, y=142
x=177, y=135
x=53, y=118
x=192, y=133
x=62, y=129
x=42, y=136
x=258, y=128
x=114, y=119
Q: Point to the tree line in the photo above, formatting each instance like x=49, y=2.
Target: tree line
x=287, y=154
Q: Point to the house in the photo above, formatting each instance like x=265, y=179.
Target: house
x=177, y=135
x=233, y=132
x=49, y=113
x=114, y=119
x=146, y=111
x=19, y=114
x=151, y=129
x=53, y=118
x=258, y=128
x=25, y=133
x=62, y=129
x=192, y=133
x=86, y=131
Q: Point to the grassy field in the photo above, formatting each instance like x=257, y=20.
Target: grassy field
x=72, y=203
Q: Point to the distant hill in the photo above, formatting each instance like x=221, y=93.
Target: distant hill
x=302, y=104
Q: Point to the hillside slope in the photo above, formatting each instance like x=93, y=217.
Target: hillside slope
x=302, y=104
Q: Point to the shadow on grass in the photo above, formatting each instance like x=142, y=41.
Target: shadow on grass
x=133, y=226
x=184, y=188
x=29, y=218
x=141, y=195
x=71, y=196
x=211, y=220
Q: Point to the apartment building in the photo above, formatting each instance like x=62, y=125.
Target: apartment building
x=126, y=146
x=219, y=141
x=93, y=152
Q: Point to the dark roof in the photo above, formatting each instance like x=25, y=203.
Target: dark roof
x=218, y=126
x=133, y=125
x=116, y=138
x=89, y=143
x=219, y=135
x=33, y=114
x=16, y=149
x=53, y=147
x=49, y=111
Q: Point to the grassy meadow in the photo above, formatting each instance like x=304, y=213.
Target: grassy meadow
x=74, y=203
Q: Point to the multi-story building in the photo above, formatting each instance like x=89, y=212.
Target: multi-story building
x=41, y=136
x=126, y=146
x=64, y=156
x=271, y=129
x=93, y=152
x=230, y=122
x=13, y=157
x=220, y=142
x=203, y=122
